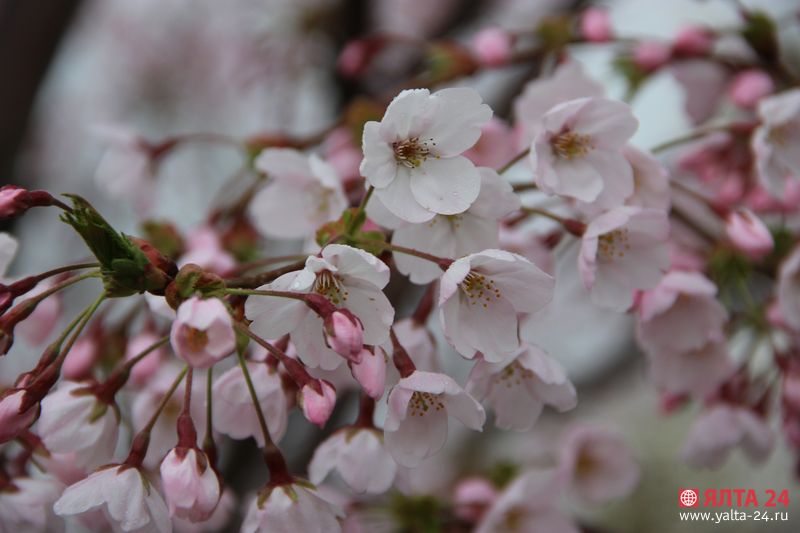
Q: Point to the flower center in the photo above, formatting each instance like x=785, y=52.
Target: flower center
x=613, y=244
x=411, y=152
x=328, y=285
x=779, y=135
x=196, y=339
x=568, y=145
x=512, y=375
x=422, y=402
x=479, y=289
x=585, y=464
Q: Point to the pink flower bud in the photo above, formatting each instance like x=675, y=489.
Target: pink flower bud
x=750, y=86
x=344, y=333
x=748, y=233
x=596, y=25
x=693, y=41
x=317, y=407
x=12, y=422
x=202, y=333
x=651, y=55
x=14, y=200
x=493, y=47
x=191, y=487
x=473, y=496
x=371, y=372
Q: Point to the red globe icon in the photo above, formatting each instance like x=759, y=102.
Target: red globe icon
x=687, y=497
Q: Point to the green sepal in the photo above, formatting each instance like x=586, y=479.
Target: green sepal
x=125, y=269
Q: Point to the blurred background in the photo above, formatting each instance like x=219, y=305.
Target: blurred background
x=80, y=74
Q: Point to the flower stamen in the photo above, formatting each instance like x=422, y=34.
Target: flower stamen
x=411, y=152
x=569, y=145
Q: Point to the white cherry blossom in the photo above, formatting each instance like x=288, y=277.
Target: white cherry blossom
x=360, y=457
x=416, y=421
x=302, y=193
x=292, y=508
x=480, y=297
x=347, y=277
x=413, y=156
x=518, y=390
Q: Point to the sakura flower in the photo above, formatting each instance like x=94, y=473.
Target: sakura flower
x=218, y=521
x=775, y=141
x=127, y=168
x=26, y=504
x=127, y=498
x=191, y=486
x=693, y=41
x=748, y=233
x=517, y=391
x=202, y=333
x=493, y=46
x=360, y=457
x=576, y=153
x=348, y=278
x=528, y=505
x=344, y=333
x=598, y=465
x=720, y=429
x=568, y=82
x=234, y=414
x=473, y=230
x=317, y=400
x=80, y=358
x=12, y=421
x=651, y=55
x=291, y=508
x=416, y=422
x=623, y=250
x=204, y=249
x=12, y=201
x=650, y=181
x=788, y=291
x=74, y=420
x=697, y=371
x=301, y=194
x=680, y=314
x=370, y=371
x=413, y=156
x=480, y=296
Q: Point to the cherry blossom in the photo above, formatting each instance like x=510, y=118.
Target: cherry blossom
x=12, y=421
x=26, y=504
x=650, y=182
x=576, y=153
x=370, y=372
x=204, y=248
x=493, y=46
x=360, y=457
x=596, y=25
x=125, y=495
x=789, y=289
x=518, y=390
x=202, y=333
x=74, y=420
x=480, y=297
x=413, y=156
x=234, y=414
x=291, y=508
x=749, y=87
x=775, y=141
x=680, y=314
x=598, y=465
x=568, y=82
x=473, y=230
x=623, y=250
x=720, y=429
x=416, y=422
x=529, y=503
x=317, y=401
x=302, y=193
x=348, y=277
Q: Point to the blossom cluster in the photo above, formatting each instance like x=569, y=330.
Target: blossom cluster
x=122, y=423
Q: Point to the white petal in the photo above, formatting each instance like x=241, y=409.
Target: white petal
x=274, y=316
x=378, y=166
x=400, y=201
x=456, y=120
x=446, y=186
x=417, y=438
